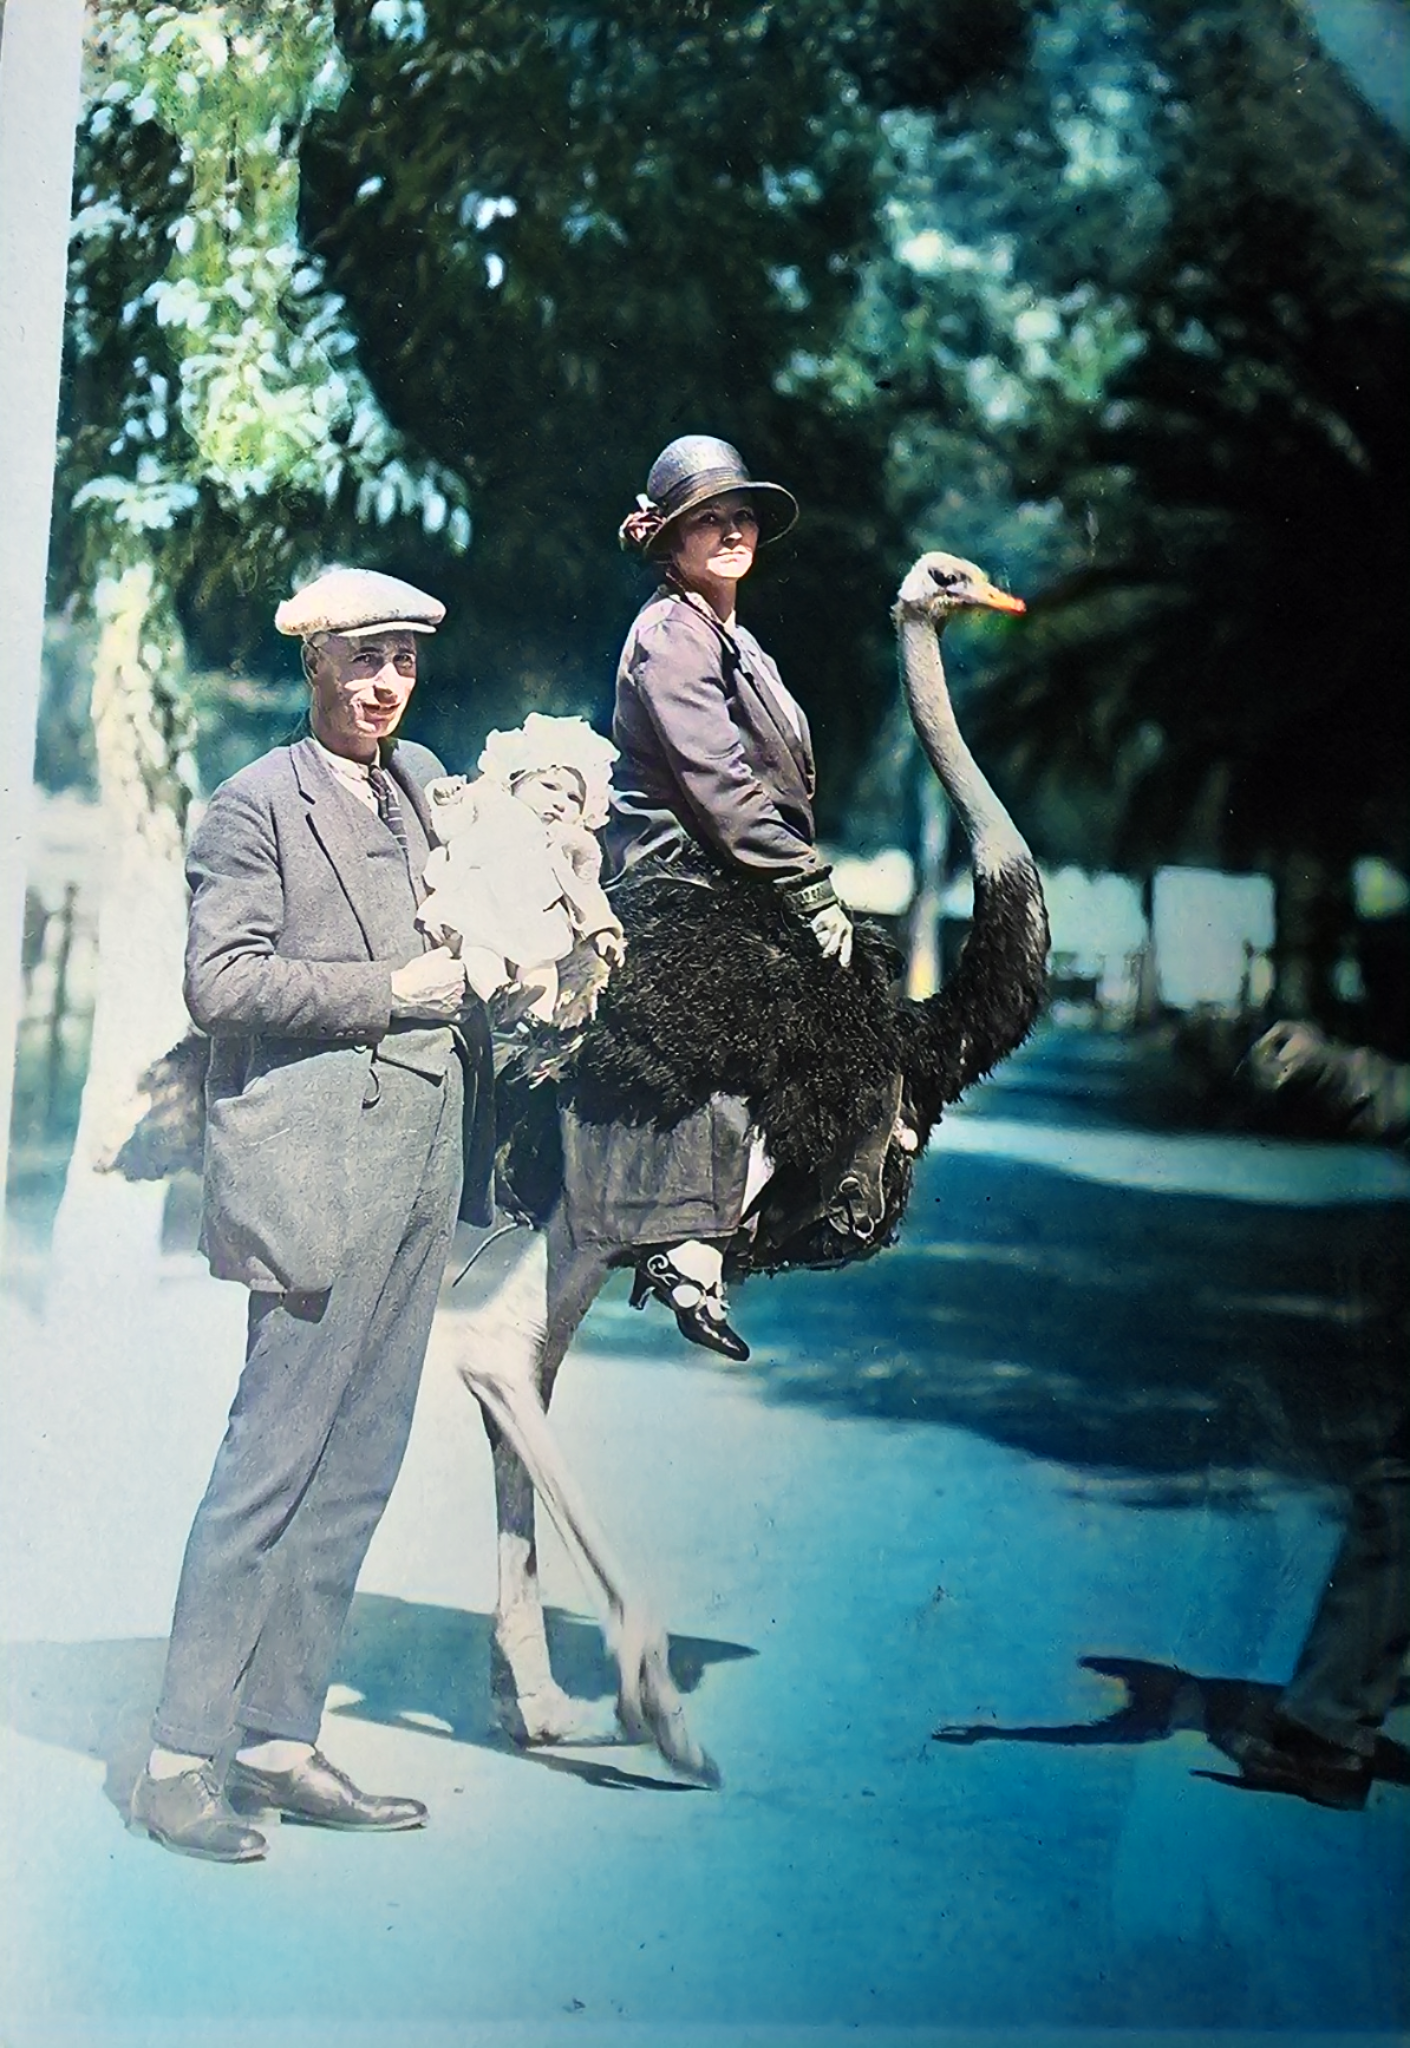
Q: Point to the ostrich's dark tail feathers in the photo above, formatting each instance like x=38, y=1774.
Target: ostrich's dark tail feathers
x=990, y=1003
x=725, y=991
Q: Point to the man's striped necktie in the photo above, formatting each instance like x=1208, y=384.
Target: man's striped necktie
x=389, y=810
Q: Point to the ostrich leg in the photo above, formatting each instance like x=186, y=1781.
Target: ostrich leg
x=519, y=1344
x=506, y=1341
x=648, y=1703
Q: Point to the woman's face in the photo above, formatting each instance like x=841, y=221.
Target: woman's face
x=717, y=542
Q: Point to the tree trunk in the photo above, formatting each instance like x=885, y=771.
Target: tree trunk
x=39, y=76
x=1313, y=918
x=107, y=1234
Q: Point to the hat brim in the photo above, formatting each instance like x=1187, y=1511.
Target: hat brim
x=378, y=626
x=776, y=507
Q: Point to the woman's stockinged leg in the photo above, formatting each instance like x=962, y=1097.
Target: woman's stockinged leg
x=700, y=1262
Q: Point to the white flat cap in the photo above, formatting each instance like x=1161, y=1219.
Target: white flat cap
x=357, y=601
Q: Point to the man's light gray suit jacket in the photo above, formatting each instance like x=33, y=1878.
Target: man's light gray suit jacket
x=299, y=914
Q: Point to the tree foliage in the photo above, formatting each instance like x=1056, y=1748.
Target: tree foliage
x=218, y=431
x=1224, y=656
x=568, y=234
x=1107, y=293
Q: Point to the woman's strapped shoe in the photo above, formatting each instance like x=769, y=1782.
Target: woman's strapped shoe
x=699, y=1311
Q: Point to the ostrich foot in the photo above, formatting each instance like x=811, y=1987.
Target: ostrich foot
x=551, y=1718
x=530, y=1706
x=651, y=1710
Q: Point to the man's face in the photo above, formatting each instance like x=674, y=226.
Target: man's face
x=359, y=690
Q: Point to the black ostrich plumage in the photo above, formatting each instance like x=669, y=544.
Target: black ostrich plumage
x=724, y=990
x=169, y=1137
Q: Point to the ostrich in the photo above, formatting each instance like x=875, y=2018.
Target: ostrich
x=843, y=1204
x=841, y=1191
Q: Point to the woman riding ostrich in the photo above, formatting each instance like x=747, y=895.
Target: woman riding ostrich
x=753, y=1092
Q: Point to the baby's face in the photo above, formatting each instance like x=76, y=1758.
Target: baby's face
x=554, y=794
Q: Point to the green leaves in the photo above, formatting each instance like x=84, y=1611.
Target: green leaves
x=1108, y=296
x=259, y=392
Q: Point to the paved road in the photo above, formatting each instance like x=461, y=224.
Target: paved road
x=1052, y=1477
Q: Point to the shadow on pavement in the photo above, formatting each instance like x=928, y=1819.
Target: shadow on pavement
x=1102, y=1081
x=1162, y=1700
x=429, y=1668
x=415, y=1666
x=1177, y=1346
x=94, y=1698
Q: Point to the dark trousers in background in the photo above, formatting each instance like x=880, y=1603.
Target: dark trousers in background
x=1349, y=1668
x=315, y=1441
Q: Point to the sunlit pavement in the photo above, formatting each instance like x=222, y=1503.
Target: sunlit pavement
x=1086, y=1410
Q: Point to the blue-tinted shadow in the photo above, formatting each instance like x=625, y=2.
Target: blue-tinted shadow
x=1162, y=1700
x=414, y=1666
x=1183, y=1345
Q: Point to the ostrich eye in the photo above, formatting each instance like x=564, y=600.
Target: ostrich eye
x=946, y=578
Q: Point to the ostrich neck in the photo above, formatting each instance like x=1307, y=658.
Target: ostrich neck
x=994, y=839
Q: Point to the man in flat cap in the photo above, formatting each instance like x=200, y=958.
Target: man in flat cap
x=349, y=1097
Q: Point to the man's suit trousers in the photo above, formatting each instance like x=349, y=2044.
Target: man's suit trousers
x=315, y=1440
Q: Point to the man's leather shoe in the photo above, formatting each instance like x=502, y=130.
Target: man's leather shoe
x=1287, y=1758
x=191, y=1815
x=319, y=1795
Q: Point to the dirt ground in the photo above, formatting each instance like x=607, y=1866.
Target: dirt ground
x=964, y=1571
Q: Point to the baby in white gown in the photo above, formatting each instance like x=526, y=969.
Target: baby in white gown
x=517, y=876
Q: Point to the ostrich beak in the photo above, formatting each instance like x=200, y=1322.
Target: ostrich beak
x=998, y=600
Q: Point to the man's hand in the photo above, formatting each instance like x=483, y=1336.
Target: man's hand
x=432, y=986
x=1288, y=1051
x=582, y=977
x=832, y=928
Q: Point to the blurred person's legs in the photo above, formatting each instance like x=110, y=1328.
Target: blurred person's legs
x=1322, y=1740
x=1347, y=1674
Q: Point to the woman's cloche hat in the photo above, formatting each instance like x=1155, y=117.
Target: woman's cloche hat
x=690, y=472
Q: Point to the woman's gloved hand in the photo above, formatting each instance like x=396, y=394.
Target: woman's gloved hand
x=816, y=901
x=832, y=928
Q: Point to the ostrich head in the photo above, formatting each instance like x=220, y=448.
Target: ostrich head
x=938, y=586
